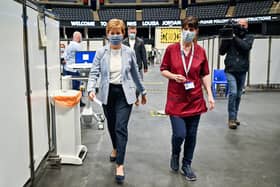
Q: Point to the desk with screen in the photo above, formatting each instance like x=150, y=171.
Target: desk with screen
x=83, y=63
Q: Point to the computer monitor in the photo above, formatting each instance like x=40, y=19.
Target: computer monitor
x=82, y=57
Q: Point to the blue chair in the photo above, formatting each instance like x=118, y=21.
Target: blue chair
x=219, y=78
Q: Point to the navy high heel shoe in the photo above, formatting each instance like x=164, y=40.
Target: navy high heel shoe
x=119, y=178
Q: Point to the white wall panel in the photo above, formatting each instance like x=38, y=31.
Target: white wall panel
x=216, y=53
x=14, y=157
x=95, y=44
x=53, y=58
x=222, y=63
x=210, y=55
x=275, y=61
x=84, y=45
x=258, y=62
x=38, y=96
x=200, y=43
x=206, y=42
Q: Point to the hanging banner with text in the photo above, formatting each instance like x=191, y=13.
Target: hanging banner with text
x=167, y=23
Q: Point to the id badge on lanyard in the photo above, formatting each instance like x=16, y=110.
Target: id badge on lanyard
x=189, y=84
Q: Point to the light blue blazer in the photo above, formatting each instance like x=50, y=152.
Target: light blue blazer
x=129, y=74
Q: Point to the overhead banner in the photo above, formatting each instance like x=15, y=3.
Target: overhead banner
x=255, y=19
x=170, y=35
x=166, y=23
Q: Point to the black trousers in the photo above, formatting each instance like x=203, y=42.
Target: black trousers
x=117, y=112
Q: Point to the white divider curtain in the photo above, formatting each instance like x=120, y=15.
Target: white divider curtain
x=14, y=134
x=14, y=157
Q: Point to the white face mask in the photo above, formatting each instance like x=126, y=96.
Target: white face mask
x=188, y=36
x=132, y=36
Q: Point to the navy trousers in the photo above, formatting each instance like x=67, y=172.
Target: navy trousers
x=184, y=130
x=117, y=112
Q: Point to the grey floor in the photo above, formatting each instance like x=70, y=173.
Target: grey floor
x=246, y=157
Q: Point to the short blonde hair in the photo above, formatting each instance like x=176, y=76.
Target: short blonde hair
x=115, y=23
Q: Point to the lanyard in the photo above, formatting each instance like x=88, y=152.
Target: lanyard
x=184, y=62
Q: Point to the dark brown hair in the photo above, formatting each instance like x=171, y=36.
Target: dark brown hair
x=131, y=27
x=191, y=22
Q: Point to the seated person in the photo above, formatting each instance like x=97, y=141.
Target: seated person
x=69, y=58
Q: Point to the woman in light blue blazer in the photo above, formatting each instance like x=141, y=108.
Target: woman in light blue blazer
x=116, y=66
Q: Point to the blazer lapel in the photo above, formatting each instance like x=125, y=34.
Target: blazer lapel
x=124, y=58
x=107, y=59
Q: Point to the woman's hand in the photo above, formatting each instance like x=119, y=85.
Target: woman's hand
x=179, y=78
x=91, y=96
x=144, y=99
x=211, y=102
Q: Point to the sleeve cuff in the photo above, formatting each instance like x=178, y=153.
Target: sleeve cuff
x=144, y=93
x=94, y=91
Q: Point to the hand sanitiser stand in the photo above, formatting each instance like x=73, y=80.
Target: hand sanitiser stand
x=68, y=127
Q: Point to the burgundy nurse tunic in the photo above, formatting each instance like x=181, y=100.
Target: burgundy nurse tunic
x=181, y=102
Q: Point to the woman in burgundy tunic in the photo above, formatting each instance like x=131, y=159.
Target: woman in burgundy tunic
x=185, y=65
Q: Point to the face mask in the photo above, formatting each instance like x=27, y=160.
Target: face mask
x=242, y=32
x=132, y=36
x=188, y=36
x=115, y=39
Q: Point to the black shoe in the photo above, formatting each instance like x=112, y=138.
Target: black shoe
x=174, y=162
x=232, y=124
x=113, y=159
x=237, y=122
x=188, y=173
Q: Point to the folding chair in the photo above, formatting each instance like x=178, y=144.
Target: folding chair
x=219, y=78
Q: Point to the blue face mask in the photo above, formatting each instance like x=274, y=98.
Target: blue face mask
x=132, y=36
x=188, y=36
x=115, y=39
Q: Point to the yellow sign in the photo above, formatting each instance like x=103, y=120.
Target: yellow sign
x=170, y=35
x=159, y=113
